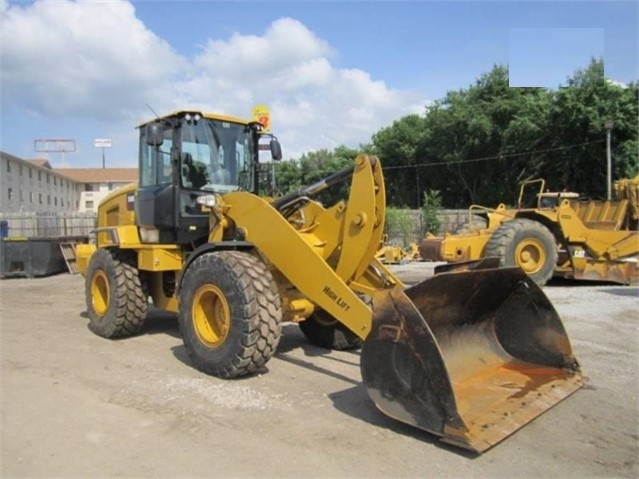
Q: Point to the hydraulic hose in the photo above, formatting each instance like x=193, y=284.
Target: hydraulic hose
x=311, y=190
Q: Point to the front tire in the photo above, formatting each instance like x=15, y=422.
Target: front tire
x=325, y=331
x=230, y=314
x=527, y=244
x=116, y=301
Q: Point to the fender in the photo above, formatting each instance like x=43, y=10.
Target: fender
x=211, y=247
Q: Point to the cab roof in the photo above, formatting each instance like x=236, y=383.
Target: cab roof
x=209, y=115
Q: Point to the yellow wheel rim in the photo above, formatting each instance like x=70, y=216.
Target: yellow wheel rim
x=211, y=316
x=530, y=255
x=100, y=293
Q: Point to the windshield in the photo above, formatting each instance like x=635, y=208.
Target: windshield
x=215, y=155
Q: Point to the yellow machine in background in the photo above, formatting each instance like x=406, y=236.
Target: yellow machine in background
x=389, y=253
x=470, y=355
x=560, y=235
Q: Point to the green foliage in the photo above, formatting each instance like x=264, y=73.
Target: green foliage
x=477, y=144
x=287, y=176
x=399, y=224
x=396, y=146
x=578, y=116
x=313, y=167
x=430, y=210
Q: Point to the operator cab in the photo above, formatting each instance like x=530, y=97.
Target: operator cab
x=554, y=199
x=188, y=154
x=533, y=194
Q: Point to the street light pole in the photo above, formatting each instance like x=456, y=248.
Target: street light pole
x=608, y=125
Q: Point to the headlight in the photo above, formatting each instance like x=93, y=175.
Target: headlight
x=149, y=235
x=207, y=200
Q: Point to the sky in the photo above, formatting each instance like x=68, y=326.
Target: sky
x=331, y=72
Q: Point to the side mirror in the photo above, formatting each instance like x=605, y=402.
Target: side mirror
x=276, y=150
x=154, y=134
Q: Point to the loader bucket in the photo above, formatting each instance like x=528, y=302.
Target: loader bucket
x=471, y=356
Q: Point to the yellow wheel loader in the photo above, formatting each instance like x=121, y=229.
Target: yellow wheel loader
x=470, y=355
x=560, y=235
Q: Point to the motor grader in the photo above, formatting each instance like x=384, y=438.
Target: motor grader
x=470, y=355
x=560, y=235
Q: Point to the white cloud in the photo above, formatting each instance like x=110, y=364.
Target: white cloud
x=285, y=42
x=97, y=60
x=82, y=59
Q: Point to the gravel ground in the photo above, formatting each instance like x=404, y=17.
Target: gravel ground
x=76, y=405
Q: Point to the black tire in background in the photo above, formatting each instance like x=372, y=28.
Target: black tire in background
x=325, y=331
x=478, y=223
x=116, y=301
x=527, y=244
x=230, y=313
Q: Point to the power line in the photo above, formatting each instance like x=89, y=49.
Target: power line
x=486, y=158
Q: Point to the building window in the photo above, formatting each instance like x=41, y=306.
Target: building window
x=89, y=205
x=8, y=167
x=48, y=178
x=88, y=187
x=48, y=199
x=61, y=201
x=40, y=198
x=10, y=192
x=30, y=173
x=39, y=175
x=31, y=194
x=20, y=169
x=55, y=181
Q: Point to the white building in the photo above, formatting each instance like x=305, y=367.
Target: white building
x=96, y=183
x=33, y=186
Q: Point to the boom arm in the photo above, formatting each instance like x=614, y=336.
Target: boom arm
x=351, y=232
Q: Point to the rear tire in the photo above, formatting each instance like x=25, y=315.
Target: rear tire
x=116, y=302
x=527, y=244
x=325, y=331
x=230, y=314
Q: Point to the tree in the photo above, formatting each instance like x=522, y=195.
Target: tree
x=396, y=147
x=577, y=120
x=399, y=224
x=312, y=167
x=473, y=137
x=476, y=145
x=430, y=210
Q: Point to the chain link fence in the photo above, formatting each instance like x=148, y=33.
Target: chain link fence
x=46, y=225
x=39, y=225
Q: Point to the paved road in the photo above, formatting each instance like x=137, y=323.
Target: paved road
x=74, y=404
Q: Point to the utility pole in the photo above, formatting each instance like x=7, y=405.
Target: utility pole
x=608, y=125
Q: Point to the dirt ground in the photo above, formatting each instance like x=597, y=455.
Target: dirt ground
x=76, y=405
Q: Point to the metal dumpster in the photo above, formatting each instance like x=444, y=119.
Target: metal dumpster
x=33, y=257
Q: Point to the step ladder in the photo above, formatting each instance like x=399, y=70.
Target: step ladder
x=68, y=252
